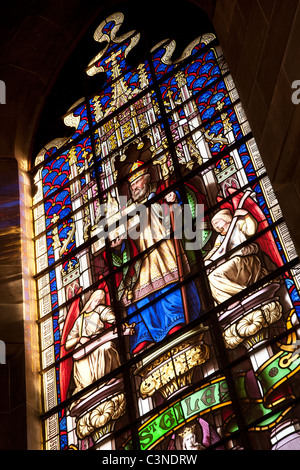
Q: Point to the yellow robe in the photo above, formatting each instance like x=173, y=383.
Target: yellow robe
x=159, y=266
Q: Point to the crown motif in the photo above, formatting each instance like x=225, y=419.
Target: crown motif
x=187, y=431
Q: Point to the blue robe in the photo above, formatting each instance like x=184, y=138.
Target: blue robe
x=154, y=321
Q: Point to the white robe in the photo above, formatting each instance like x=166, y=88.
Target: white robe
x=242, y=269
x=104, y=358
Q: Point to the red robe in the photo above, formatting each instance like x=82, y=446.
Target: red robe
x=266, y=242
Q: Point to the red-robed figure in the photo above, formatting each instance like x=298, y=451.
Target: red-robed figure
x=85, y=352
x=236, y=222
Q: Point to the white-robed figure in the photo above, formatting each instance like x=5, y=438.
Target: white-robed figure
x=97, y=358
x=242, y=267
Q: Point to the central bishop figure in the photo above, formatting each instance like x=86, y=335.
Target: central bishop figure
x=153, y=296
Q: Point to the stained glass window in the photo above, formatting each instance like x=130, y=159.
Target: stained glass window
x=167, y=281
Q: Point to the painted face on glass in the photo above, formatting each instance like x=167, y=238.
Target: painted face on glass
x=96, y=300
x=221, y=226
x=140, y=187
x=94, y=303
x=190, y=442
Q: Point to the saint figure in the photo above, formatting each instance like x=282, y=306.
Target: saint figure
x=99, y=356
x=154, y=300
x=240, y=262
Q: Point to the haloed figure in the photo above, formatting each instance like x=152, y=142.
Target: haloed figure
x=102, y=359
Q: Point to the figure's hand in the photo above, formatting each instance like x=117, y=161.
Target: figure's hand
x=240, y=213
x=84, y=339
x=124, y=327
x=131, y=328
x=171, y=197
x=117, y=242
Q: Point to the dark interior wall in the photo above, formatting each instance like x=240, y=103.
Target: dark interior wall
x=12, y=380
x=260, y=40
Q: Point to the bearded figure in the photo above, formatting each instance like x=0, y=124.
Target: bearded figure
x=153, y=298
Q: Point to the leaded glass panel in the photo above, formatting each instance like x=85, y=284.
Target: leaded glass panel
x=167, y=281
